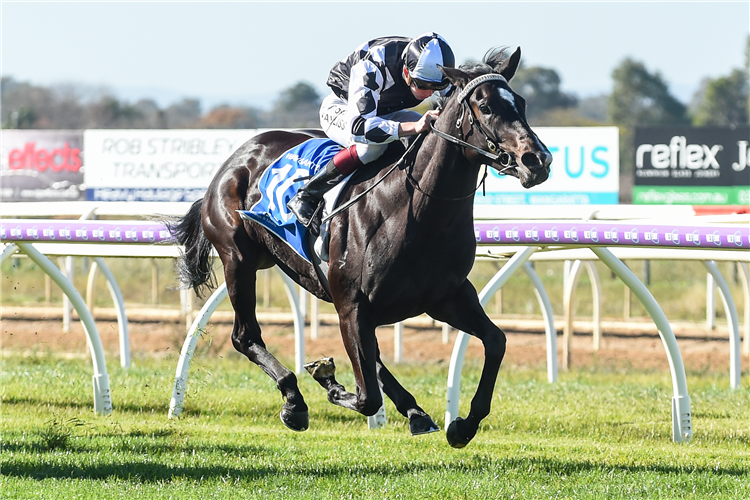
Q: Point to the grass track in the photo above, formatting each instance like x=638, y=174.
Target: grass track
x=592, y=435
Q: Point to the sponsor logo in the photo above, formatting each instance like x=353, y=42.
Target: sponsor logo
x=58, y=160
x=678, y=160
x=678, y=154
x=532, y=234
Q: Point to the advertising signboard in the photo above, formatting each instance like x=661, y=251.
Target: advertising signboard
x=692, y=166
x=41, y=165
x=585, y=170
x=156, y=165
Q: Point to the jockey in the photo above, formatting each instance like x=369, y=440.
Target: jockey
x=368, y=108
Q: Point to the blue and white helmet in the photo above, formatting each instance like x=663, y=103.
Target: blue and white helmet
x=422, y=57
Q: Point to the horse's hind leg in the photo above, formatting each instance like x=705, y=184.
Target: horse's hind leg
x=358, y=334
x=324, y=372
x=240, y=276
x=419, y=421
x=464, y=312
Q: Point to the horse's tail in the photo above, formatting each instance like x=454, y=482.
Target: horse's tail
x=194, y=267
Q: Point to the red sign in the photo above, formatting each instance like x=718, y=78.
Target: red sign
x=42, y=165
x=57, y=160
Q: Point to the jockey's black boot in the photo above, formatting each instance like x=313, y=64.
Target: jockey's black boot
x=308, y=198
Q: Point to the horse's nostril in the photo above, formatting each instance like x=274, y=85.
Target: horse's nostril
x=530, y=160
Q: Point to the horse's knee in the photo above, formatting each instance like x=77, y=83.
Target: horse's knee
x=495, y=343
x=370, y=405
x=244, y=340
x=240, y=344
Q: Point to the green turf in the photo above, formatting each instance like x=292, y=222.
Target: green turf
x=604, y=434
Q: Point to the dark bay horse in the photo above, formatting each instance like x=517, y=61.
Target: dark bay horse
x=404, y=249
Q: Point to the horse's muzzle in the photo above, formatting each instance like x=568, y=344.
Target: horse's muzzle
x=534, y=168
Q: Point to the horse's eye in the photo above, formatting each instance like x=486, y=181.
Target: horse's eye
x=485, y=109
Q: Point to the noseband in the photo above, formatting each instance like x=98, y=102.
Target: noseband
x=495, y=153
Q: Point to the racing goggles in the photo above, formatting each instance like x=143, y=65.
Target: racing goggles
x=425, y=85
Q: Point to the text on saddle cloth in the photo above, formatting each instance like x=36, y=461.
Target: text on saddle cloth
x=280, y=182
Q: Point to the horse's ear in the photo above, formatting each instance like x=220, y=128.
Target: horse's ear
x=457, y=77
x=509, y=66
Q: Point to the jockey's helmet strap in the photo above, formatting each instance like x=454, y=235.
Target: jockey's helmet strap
x=477, y=82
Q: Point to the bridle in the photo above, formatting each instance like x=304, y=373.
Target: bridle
x=496, y=154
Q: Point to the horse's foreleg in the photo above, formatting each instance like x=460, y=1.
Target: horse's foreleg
x=465, y=313
x=246, y=338
x=419, y=421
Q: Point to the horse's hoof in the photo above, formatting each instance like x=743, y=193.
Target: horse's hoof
x=457, y=437
x=298, y=421
x=322, y=368
x=422, y=425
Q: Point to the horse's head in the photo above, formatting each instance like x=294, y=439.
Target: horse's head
x=492, y=118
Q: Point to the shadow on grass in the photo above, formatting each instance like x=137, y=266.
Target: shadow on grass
x=84, y=406
x=323, y=411
x=156, y=472
x=165, y=449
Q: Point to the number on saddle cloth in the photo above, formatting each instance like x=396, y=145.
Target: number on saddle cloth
x=280, y=182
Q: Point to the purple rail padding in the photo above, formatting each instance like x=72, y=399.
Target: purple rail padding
x=583, y=233
x=612, y=234
x=84, y=231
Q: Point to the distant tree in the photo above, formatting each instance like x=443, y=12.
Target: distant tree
x=296, y=106
x=69, y=108
x=698, y=97
x=23, y=118
x=182, y=114
x=152, y=116
x=541, y=89
x=725, y=101
x=594, y=108
x=109, y=112
x=226, y=116
x=640, y=98
x=299, y=95
x=25, y=105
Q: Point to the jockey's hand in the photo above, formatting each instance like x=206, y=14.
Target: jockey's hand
x=423, y=124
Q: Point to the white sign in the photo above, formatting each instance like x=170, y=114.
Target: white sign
x=155, y=165
x=585, y=170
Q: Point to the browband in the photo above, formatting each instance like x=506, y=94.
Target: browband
x=476, y=82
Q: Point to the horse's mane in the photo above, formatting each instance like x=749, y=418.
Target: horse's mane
x=491, y=63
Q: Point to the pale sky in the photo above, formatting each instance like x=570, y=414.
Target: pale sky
x=246, y=52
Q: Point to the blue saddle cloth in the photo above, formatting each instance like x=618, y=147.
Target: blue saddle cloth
x=279, y=184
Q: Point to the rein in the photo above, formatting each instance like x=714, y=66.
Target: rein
x=363, y=193
x=415, y=183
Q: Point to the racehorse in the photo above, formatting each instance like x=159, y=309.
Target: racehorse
x=403, y=249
